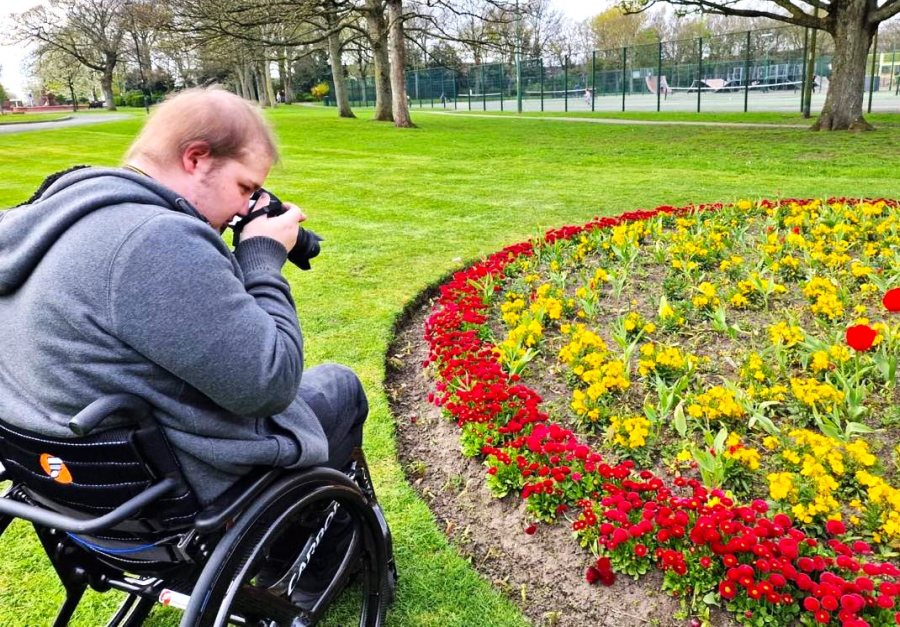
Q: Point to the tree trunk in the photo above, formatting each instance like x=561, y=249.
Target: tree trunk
x=337, y=74
x=72, y=93
x=258, y=93
x=846, y=89
x=267, y=83
x=106, y=81
x=398, y=65
x=242, y=82
x=378, y=38
x=288, y=78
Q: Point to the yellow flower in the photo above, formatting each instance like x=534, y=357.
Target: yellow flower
x=781, y=485
x=770, y=442
x=819, y=361
x=684, y=456
x=785, y=334
x=630, y=432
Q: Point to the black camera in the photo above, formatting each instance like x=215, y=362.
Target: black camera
x=307, y=245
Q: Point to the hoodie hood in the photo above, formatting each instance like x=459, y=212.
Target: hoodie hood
x=27, y=232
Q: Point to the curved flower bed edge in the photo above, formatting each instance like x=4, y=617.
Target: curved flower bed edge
x=712, y=550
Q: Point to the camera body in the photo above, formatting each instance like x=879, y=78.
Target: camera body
x=307, y=245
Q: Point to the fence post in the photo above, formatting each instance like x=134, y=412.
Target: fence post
x=566, y=83
x=893, y=58
x=518, y=83
x=542, y=84
x=483, y=90
x=747, y=74
x=624, y=70
x=502, y=85
x=659, y=77
x=593, y=77
x=872, y=77
x=699, y=71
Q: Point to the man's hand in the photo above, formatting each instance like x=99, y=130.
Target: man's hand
x=282, y=228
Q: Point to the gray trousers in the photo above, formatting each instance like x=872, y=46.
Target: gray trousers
x=336, y=396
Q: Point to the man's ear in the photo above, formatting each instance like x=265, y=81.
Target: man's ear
x=194, y=156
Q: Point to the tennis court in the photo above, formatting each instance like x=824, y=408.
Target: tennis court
x=580, y=100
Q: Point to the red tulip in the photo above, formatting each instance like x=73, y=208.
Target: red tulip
x=861, y=337
x=891, y=300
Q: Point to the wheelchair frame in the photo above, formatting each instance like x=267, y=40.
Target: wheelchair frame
x=214, y=559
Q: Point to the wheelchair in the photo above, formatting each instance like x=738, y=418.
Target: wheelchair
x=113, y=510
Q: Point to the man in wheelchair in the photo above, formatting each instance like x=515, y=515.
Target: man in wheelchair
x=181, y=362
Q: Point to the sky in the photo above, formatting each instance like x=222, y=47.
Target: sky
x=12, y=57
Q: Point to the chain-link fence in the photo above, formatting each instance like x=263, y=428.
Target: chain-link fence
x=762, y=70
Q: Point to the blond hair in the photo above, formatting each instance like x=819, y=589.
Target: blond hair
x=227, y=123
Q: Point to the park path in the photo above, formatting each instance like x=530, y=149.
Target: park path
x=619, y=121
x=56, y=124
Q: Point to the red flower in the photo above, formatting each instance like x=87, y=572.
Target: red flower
x=829, y=602
x=640, y=550
x=891, y=300
x=835, y=527
x=727, y=590
x=823, y=617
x=530, y=529
x=592, y=575
x=861, y=337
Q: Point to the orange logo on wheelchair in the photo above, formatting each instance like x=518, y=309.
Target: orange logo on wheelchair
x=55, y=468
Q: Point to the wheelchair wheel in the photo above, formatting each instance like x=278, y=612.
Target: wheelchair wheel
x=230, y=588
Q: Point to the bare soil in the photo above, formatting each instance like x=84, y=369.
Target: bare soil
x=542, y=573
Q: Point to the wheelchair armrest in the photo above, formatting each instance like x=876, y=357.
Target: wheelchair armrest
x=47, y=518
x=227, y=505
x=88, y=418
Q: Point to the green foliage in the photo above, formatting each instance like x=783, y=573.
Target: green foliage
x=320, y=90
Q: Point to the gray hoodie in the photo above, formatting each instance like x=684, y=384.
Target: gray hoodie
x=110, y=283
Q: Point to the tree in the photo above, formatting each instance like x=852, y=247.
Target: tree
x=852, y=25
x=90, y=31
x=59, y=71
x=615, y=29
x=281, y=31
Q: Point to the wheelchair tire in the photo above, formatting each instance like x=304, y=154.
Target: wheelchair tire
x=225, y=589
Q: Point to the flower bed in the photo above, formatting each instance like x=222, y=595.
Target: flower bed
x=719, y=365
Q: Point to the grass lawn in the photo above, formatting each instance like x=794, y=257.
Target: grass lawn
x=399, y=209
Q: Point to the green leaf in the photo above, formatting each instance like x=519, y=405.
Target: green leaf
x=679, y=419
x=857, y=427
x=719, y=442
